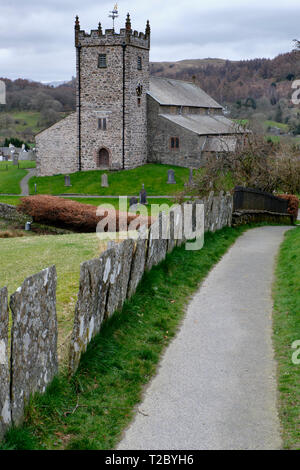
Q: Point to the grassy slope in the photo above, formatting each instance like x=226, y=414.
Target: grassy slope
x=91, y=410
x=286, y=331
x=121, y=183
x=27, y=119
x=10, y=178
x=22, y=257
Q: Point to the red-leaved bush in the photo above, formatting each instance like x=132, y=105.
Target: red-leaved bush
x=59, y=212
x=293, y=202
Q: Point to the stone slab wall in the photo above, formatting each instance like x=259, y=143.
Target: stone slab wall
x=34, y=339
x=5, y=414
x=106, y=282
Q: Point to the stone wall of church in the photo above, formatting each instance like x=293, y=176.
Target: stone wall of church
x=160, y=131
x=57, y=148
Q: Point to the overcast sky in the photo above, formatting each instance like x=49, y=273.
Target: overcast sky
x=37, y=36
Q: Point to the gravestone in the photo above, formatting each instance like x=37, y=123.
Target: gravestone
x=143, y=196
x=67, y=180
x=15, y=157
x=104, y=181
x=191, y=181
x=171, y=177
x=133, y=201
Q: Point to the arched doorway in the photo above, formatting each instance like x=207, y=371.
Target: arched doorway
x=103, y=158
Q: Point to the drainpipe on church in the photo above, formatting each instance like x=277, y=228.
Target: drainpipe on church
x=123, y=131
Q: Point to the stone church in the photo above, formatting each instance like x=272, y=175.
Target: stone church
x=124, y=118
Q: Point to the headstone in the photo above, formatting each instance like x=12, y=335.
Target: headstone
x=67, y=180
x=171, y=177
x=143, y=196
x=191, y=181
x=104, y=181
x=133, y=201
x=15, y=158
x=35, y=188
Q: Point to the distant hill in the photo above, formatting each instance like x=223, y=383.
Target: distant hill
x=259, y=88
x=229, y=81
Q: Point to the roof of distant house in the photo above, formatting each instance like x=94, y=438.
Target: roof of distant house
x=179, y=93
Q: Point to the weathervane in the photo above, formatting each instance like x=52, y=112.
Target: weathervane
x=114, y=14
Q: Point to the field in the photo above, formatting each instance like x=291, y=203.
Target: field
x=121, y=183
x=11, y=175
x=25, y=121
x=22, y=257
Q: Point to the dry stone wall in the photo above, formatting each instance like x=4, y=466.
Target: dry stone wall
x=9, y=212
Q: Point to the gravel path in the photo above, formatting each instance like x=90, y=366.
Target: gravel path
x=216, y=386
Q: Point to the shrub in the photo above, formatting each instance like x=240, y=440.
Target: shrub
x=293, y=201
x=52, y=210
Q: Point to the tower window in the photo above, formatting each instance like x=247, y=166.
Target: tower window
x=102, y=63
x=174, y=143
x=102, y=124
x=139, y=63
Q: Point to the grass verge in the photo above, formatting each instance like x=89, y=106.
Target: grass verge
x=91, y=410
x=286, y=324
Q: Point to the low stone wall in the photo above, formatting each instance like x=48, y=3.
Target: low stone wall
x=248, y=217
x=9, y=212
x=105, y=284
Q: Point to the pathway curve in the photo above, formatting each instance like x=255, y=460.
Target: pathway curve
x=216, y=386
x=24, y=182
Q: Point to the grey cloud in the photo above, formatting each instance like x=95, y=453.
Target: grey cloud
x=36, y=38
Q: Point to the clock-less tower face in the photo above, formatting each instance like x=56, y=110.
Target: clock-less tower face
x=112, y=81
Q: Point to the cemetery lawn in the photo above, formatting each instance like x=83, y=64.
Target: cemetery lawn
x=11, y=175
x=25, y=256
x=90, y=410
x=286, y=326
x=121, y=183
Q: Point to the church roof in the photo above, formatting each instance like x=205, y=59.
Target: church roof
x=179, y=93
x=204, y=124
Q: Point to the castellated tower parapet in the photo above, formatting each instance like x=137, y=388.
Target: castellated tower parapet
x=112, y=81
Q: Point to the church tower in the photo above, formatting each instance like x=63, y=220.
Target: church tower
x=112, y=83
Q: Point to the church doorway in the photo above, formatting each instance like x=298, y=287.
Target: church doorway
x=103, y=158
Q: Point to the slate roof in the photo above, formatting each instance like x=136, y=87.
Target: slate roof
x=167, y=91
x=204, y=124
